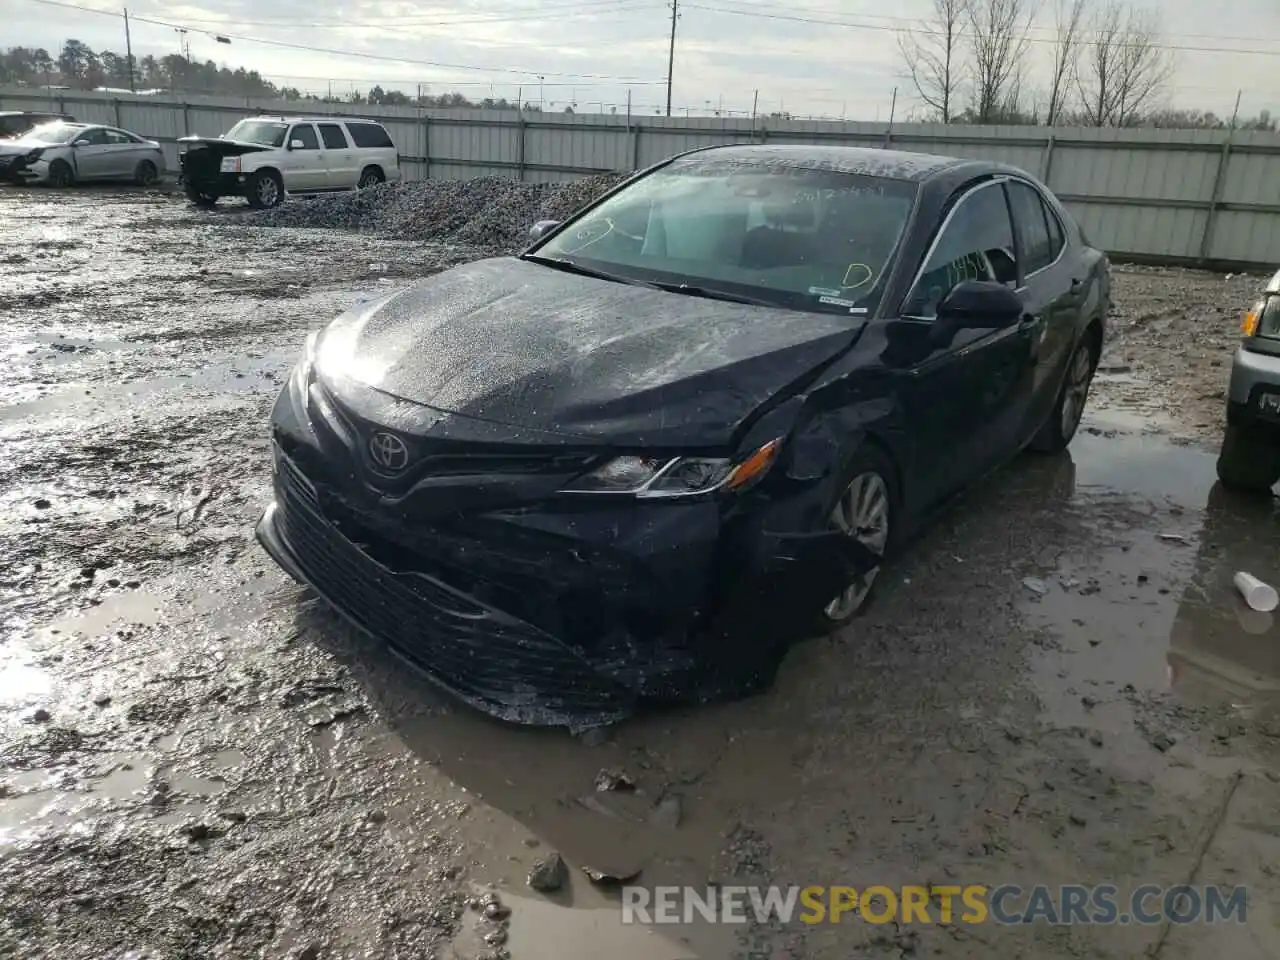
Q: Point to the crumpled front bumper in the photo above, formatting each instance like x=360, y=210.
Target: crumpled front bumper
x=712, y=640
x=21, y=170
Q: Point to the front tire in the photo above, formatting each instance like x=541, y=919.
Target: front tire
x=206, y=201
x=146, y=174
x=265, y=190
x=866, y=510
x=1248, y=460
x=60, y=174
x=1059, y=429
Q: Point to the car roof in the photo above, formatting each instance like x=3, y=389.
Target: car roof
x=31, y=113
x=313, y=119
x=873, y=161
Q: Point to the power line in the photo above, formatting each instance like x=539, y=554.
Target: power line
x=360, y=55
x=586, y=8
x=1275, y=52
x=919, y=22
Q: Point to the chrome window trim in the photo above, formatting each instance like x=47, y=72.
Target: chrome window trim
x=937, y=237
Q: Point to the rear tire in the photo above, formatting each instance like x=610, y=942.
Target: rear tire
x=1248, y=460
x=145, y=174
x=1064, y=419
x=265, y=190
x=370, y=177
x=60, y=174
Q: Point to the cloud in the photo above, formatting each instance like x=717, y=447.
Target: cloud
x=581, y=49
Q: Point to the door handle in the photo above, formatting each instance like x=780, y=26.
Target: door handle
x=1076, y=285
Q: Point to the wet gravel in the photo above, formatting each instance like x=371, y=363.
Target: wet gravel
x=198, y=760
x=1172, y=336
x=491, y=214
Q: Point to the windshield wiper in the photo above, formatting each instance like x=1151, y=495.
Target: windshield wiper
x=691, y=291
x=569, y=266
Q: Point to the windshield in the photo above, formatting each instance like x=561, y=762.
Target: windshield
x=262, y=132
x=803, y=238
x=56, y=132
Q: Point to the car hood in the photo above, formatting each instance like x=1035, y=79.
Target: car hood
x=222, y=146
x=507, y=342
x=23, y=145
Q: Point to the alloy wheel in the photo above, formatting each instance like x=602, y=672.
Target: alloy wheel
x=862, y=513
x=268, y=191
x=1077, y=389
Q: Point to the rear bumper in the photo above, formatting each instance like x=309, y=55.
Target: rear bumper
x=669, y=621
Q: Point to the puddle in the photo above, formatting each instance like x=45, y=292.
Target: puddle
x=1158, y=614
x=234, y=375
x=134, y=608
x=21, y=683
x=589, y=929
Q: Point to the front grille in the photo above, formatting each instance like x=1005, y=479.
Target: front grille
x=479, y=652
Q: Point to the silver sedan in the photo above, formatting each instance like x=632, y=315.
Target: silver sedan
x=61, y=154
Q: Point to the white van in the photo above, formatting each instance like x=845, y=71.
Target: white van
x=264, y=158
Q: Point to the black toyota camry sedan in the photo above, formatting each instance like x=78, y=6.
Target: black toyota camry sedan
x=684, y=427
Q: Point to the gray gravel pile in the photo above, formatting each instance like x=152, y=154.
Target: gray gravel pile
x=492, y=214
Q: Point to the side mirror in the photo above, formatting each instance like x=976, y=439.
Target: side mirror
x=81, y=143
x=542, y=228
x=979, y=303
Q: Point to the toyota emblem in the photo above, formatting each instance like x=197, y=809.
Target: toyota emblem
x=388, y=451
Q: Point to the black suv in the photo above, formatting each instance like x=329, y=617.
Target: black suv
x=14, y=123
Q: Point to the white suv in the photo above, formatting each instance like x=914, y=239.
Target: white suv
x=263, y=158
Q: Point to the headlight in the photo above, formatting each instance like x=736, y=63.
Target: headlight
x=1249, y=324
x=658, y=477
x=301, y=377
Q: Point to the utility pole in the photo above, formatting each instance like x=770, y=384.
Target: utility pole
x=893, y=107
x=1235, y=114
x=671, y=51
x=128, y=51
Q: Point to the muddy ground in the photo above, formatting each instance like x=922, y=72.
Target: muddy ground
x=198, y=760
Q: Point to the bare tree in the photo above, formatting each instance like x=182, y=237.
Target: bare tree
x=934, y=58
x=1069, y=24
x=998, y=45
x=1144, y=69
x=1126, y=67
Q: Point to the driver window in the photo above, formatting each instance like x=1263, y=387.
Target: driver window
x=116, y=138
x=93, y=137
x=307, y=134
x=976, y=244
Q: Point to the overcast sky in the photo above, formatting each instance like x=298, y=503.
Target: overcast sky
x=594, y=51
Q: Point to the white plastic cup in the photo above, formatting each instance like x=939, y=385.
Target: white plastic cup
x=1257, y=594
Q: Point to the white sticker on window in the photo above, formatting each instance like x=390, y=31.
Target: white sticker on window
x=837, y=301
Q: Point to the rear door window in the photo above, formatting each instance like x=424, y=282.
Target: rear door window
x=334, y=138
x=368, y=135
x=307, y=134
x=1033, y=229
x=976, y=243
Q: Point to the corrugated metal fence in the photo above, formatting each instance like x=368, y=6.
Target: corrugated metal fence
x=1192, y=196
